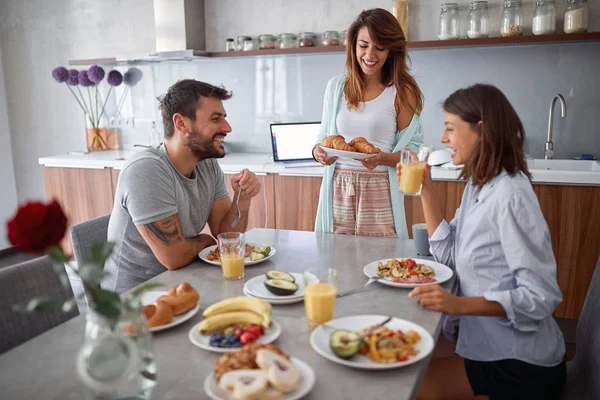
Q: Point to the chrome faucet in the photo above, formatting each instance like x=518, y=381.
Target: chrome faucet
x=549, y=151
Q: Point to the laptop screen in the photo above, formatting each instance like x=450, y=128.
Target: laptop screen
x=294, y=141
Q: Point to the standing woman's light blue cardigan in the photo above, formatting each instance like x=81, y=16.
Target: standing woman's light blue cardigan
x=411, y=136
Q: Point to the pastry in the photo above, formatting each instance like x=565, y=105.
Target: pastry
x=281, y=373
x=181, y=298
x=245, y=358
x=158, y=314
x=328, y=141
x=337, y=142
x=245, y=384
x=362, y=145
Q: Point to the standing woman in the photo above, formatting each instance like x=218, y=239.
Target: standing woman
x=498, y=243
x=377, y=99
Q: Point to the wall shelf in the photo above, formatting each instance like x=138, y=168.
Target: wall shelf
x=421, y=45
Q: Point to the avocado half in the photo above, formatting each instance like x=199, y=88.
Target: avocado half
x=345, y=344
x=280, y=287
x=280, y=275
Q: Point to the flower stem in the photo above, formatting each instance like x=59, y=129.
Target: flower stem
x=104, y=105
x=91, y=108
x=78, y=101
x=85, y=106
x=97, y=116
x=122, y=101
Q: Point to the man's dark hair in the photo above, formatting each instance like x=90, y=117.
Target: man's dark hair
x=183, y=97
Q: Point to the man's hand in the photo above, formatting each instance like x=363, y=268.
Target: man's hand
x=249, y=183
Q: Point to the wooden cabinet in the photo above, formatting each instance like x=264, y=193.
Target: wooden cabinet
x=296, y=201
x=83, y=193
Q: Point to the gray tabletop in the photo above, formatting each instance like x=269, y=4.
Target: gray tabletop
x=44, y=367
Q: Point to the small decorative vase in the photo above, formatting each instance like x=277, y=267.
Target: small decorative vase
x=102, y=136
x=116, y=360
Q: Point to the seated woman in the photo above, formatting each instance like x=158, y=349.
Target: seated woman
x=499, y=245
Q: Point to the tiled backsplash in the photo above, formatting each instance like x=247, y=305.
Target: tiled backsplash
x=291, y=89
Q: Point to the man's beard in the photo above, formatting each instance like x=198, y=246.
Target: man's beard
x=203, y=148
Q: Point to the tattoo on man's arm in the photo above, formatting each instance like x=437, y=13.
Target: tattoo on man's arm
x=166, y=230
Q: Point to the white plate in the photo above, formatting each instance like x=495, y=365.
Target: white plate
x=442, y=273
x=213, y=390
x=150, y=297
x=203, y=341
x=204, y=255
x=319, y=340
x=256, y=287
x=346, y=154
x=276, y=302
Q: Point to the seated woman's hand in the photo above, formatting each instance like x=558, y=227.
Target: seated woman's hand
x=427, y=181
x=436, y=298
x=321, y=156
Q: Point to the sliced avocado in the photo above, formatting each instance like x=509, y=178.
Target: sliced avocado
x=280, y=275
x=254, y=256
x=344, y=344
x=280, y=287
x=266, y=251
x=257, y=249
x=396, y=273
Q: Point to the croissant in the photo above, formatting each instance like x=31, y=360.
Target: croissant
x=362, y=145
x=328, y=141
x=181, y=298
x=158, y=314
x=337, y=142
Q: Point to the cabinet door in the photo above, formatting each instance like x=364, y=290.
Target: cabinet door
x=83, y=194
x=296, y=202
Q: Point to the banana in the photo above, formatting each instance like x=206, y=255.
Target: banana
x=242, y=303
x=224, y=320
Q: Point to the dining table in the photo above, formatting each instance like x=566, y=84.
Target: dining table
x=44, y=367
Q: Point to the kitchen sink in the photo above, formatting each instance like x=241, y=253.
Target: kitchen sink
x=564, y=165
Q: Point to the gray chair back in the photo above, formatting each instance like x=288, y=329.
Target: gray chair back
x=582, y=371
x=86, y=233
x=21, y=282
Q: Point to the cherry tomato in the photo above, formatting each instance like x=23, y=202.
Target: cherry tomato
x=402, y=358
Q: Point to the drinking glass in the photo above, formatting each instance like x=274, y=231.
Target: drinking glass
x=232, y=246
x=413, y=170
x=320, y=290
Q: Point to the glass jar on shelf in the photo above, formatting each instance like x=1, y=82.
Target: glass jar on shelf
x=544, y=18
x=331, y=38
x=249, y=44
x=478, y=21
x=343, y=37
x=230, y=44
x=449, y=22
x=308, y=39
x=240, y=41
x=400, y=11
x=267, y=42
x=511, y=22
x=576, y=16
x=288, y=41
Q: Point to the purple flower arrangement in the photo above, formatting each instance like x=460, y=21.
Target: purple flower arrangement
x=89, y=80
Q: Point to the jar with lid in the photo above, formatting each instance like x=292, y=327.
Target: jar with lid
x=288, y=41
x=249, y=44
x=511, y=23
x=331, y=38
x=449, y=22
x=267, y=42
x=478, y=21
x=308, y=39
x=576, y=16
x=544, y=18
x=400, y=11
x=230, y=44
x=241, y=40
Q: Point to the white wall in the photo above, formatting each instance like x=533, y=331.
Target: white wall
x=8, y=199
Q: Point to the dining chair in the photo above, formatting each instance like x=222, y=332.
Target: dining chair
x=582, y=371
x=21, y=282
x=86, y=233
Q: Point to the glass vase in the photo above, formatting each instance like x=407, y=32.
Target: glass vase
x=100, y=135
x=116, y=360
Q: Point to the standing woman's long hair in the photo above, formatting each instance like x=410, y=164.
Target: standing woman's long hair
x=385, y=30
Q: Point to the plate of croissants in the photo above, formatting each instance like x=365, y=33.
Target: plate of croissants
x=358, y=148
x=166, y=309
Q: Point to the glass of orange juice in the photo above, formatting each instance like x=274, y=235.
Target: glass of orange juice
x=413, y=170
x=232, y=247
x=320, y=290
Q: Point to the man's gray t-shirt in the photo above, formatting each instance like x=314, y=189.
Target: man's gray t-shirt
x=150, y=188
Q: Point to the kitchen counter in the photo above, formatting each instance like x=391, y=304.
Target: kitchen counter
x=556, y=172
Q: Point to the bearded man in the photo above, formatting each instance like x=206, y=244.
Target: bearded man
x=166, y=195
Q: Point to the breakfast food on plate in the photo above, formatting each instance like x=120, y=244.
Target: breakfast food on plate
x=406, y=270
x=383, y=345
x=179, y=299
x=157, y=314
x=362, y=145
x=235, y=322
x=257, y=371
x=255, y=253
x=337, y=142
x=280, y=283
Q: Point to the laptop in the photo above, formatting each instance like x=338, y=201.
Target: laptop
x=293, y=143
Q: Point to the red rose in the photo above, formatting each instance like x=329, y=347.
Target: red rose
x=37, y=226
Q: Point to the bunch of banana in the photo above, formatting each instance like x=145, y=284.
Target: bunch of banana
x=240, y=310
